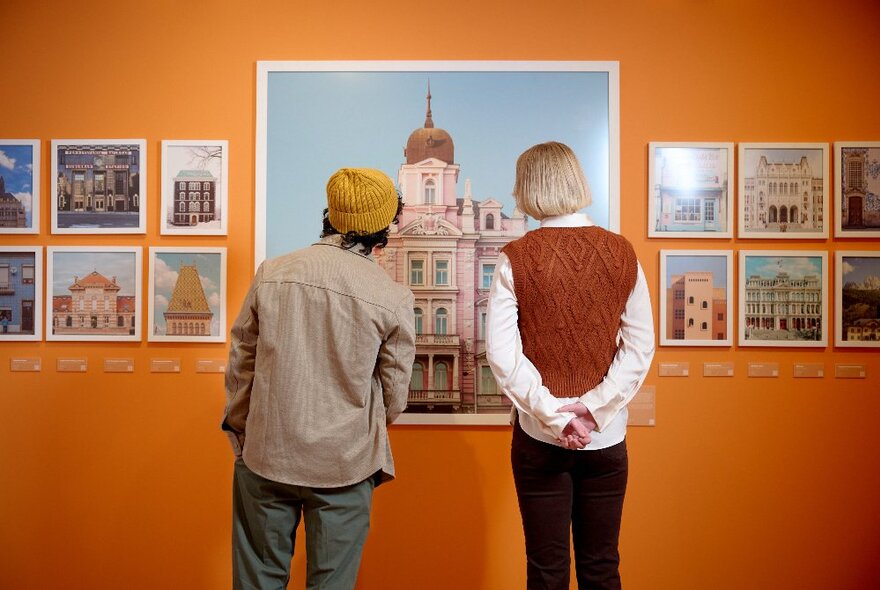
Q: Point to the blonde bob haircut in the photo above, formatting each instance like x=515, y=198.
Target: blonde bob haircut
x=549, y=181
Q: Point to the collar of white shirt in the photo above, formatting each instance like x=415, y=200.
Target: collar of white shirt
x=569, y=220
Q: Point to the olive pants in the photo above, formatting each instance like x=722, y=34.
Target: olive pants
x=264, y=519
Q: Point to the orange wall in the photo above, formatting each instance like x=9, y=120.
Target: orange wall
x=121, y=481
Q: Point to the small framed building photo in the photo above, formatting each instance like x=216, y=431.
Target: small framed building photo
x=857, y=189
x=99, y=186
x=857, y=299
x=195, y=187
x=21, y=293
x=93, y=293
x=187, y=295
x=783, y=298
x=19, y=186
x=696, y=301
x=689, y=190
x=783, y=190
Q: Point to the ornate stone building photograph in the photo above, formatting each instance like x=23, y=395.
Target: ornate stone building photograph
x=98, y=187
x=19, y=186
x=187, y=295
x=93, y=293
x=194, y=187
x=857, y=299
x=857, y=184
x=695, y=297
x=450, y=141
x=783, y=298
x=783, y=190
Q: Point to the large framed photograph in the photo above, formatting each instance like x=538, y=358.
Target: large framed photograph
x=195, y=187
x=19, y=186
x=783, y=190
x=462, y=126
x=689, y=190
x=99, y=186
x=857, y=299
x=93, y=293
x=783, y=298
x=21, y=292
x=187, y=295
x=857, y=189
x=696, y=300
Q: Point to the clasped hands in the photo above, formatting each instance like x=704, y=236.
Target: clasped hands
x=576, y=434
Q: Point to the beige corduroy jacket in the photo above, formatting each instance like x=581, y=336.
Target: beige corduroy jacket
x=319, y=365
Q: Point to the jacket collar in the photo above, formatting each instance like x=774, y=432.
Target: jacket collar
x=336, y=240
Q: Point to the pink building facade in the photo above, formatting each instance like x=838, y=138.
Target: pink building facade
x=445, y=249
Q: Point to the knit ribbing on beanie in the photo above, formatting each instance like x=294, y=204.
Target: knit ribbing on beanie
x=360, y=200
x=571, y=285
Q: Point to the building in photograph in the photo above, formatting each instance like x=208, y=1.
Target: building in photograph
x=783, y=307
x=195, y=196
x=94, y=307
x=17, y=293
x=12, y=212
x=865, y=330
x=783, y=197
x=98, y=179
x=692, y=192
x=188, y=313
x=860, y=206
x=695, y=309
x=445, y=249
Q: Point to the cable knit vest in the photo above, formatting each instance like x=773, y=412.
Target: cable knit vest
x=572, y=285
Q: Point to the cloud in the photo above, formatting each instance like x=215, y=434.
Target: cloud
x=214, y=299
x=208, y=284
x=160, y=302
x=29, y=168
x=847, y=268
x=25, y=199
x=164, y=277
x=6, y=161
x=796, y=266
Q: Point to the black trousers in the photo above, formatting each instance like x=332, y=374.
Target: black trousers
x=564, y=492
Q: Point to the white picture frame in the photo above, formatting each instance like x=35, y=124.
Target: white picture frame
x=188, y=161
x=696, y=297
x=199, y=307
x=857, y=200
x=21, y=293
x=79, y=304
x=773, y=314
x=780, y=194
x=99, y=186
x=854, y=326
x=690, y=189
x=20, y=168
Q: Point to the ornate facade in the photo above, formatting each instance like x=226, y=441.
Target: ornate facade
x=860, y=207
x=195, y=197
x=783, y=197
x=94, y=306
x=188, y=313
x=783, y=303
x=98, y=179
x=445, y=249
x=12, y=212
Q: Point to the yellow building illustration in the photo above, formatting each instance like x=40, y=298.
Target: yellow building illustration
x=188, y=313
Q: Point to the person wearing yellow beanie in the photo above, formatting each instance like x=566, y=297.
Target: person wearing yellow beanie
x=319, y=365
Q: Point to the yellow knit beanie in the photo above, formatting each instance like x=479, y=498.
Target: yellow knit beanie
x=362, y=200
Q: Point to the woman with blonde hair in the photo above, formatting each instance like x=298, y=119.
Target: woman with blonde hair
x=570, y=338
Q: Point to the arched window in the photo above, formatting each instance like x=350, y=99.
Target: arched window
x=120, y=321
x=704, y=304
x=690, y=322
x=704, y=326
x=772, y=214
x=440, y=322
x=181, y=185
x=690, y=300
x=440, y=373
x=783, y=214
x=416, y=382
x=490, y=221
x=182, y=207
x=419, y=315
x=430, y=192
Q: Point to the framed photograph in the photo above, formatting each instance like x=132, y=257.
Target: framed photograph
x=187, y=295
x=689, y=191
x=783, y=298
x=783, y=190
x=857, y=299
x=93, y=293
x=21, y=293
x=696, y=301
x=19, y=186
x=195, y=193
x=462, y=126
x=857, y=189
x=99, y=186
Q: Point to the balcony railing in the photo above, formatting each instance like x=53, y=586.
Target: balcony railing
x=438, y=339
x=435, y=396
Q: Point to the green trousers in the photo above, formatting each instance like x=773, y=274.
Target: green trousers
x=265, y=515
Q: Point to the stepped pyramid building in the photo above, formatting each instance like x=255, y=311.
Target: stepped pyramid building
x=188, y=312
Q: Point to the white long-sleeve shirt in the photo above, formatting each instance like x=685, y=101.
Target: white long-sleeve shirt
x=520, y=380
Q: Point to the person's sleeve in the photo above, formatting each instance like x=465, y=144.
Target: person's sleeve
x=240, y=367
x=632, y=361
x=396, y=355
x=517, y=377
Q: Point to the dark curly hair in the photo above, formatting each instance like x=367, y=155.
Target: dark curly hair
x=366, y=241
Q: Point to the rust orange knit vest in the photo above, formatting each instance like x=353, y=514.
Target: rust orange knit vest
x=572, y=285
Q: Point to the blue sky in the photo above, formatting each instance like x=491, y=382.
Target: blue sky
x=66, y=265
x=795, y=266
x=857, y=268
x=16, y=168
x=782, y=156
x=321, y=121
x=717, y=265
